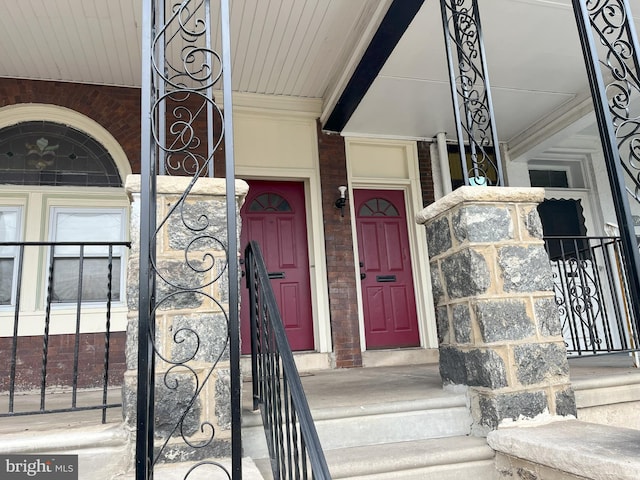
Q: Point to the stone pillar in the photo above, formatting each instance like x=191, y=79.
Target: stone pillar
x=498, y=328
x=191, y=326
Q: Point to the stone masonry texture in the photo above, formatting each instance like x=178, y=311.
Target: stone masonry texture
x=501, y=320
x=497, y=407
x=537, y=362
x=191, y=328
x=482, y=223
x=498, y=326
x=438, y=237
x=525, y=269
x=546, y=312
x=465, y=274
x=462, y=323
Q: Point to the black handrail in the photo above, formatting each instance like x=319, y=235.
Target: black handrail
x=294, y=446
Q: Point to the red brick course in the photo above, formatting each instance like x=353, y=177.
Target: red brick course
x=117, y=109
x=60, y=358
x=339, y=244
x=426, y=174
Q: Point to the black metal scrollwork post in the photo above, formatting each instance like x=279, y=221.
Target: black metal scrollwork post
x=182, y=129
x=610, y=48
x=470, y=87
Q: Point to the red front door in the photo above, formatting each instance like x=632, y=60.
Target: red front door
x=390, y=317
x=274, y=215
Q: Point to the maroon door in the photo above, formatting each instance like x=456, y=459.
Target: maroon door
x=274, y=216
x=390, y=318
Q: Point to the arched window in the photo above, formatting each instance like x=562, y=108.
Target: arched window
x=269, y=202
x=378, y=207
x=51, y=154
x=48, y=175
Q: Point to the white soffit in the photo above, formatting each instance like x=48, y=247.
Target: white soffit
x=535, y=67
x=279, y=47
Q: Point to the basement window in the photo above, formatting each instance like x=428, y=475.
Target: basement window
x=549, y=178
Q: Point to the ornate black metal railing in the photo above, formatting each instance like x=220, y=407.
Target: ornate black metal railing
x=183, y=130
x=294, y=447
x=68, y=359
x=612, y=57
x=471, y=92
x=592, y=295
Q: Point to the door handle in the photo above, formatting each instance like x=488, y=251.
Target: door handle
x=276, y=275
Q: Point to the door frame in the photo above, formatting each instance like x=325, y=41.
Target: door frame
x=392, y=164
x=315, y=245
x=418, y=254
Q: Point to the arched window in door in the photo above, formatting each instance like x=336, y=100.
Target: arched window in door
x=269, y=202
x=378, y=207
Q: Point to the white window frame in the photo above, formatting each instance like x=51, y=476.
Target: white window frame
x=18, y=209
x=118, y=252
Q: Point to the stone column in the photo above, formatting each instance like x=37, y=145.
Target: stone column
x=191, y=326
x=498, y=328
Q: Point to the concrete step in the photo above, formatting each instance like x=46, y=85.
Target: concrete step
x=438, y=459
x=109, y=443
x=204, y=470
x=373, y=424
x=609, y=400
x=452, y=458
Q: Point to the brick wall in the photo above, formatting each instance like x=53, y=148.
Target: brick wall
x=60, y=361
x=117, y=109
x=343, y=302
x=426, y=174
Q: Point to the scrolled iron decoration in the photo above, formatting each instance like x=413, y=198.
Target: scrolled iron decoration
x=611, y=24
x=199, y=67
x=471, y=92
x=187, y=129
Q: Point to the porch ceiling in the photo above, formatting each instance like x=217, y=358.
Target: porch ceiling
x=310, y=48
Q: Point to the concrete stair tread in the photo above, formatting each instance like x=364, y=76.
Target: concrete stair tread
x=63, y=439
x=612, y=380
x=375, y=424
x=452, y=458
x=418, y=454
x=253, y=418
x=202, y=471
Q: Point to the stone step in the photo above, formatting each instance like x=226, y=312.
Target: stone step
x=213, y=469
x=109, y=443
x=452, y=458
x=610, y=400
x=354, y=426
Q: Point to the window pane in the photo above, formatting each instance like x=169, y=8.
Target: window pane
x=549, y=178
x=8, y=230
x=378, y=207
x=269, y=202
x=94, y=280
x=93, y=226
x=6, y=280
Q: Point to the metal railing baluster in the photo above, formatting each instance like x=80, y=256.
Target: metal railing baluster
x=47, y=378
x=592, y=295
x=293, y=443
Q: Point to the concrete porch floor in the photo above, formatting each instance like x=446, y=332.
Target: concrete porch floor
x=374, y=385
x=324, y=388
